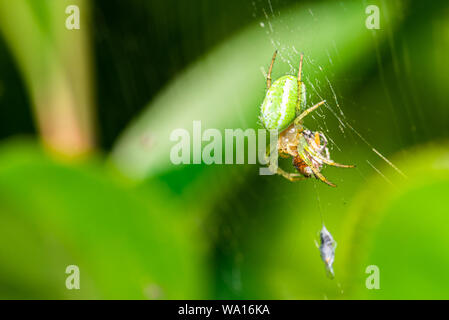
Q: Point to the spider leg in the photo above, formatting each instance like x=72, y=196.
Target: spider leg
x=322, y=178
x=300, y=68
x=324, y=146
x=300, y=85
x=317, y=139
x=270, y=69
x=316, y=172
x=307, y=111
x=290, y=176
x=325, y=160
x=323, y=137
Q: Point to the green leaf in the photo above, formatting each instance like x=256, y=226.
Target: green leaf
x=127, y=244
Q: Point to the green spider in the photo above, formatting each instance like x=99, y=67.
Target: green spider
x=283, y=109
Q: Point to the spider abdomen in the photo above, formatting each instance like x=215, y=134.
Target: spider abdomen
x=278, y=109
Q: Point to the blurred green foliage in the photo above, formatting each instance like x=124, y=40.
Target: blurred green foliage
x=401, y=227
x=126, y=244
x=141, y=227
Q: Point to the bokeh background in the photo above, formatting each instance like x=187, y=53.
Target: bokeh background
x=86, y=178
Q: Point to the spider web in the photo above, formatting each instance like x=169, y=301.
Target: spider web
x=369, y=157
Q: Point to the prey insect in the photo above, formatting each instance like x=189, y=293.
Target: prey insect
x=327, y=251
